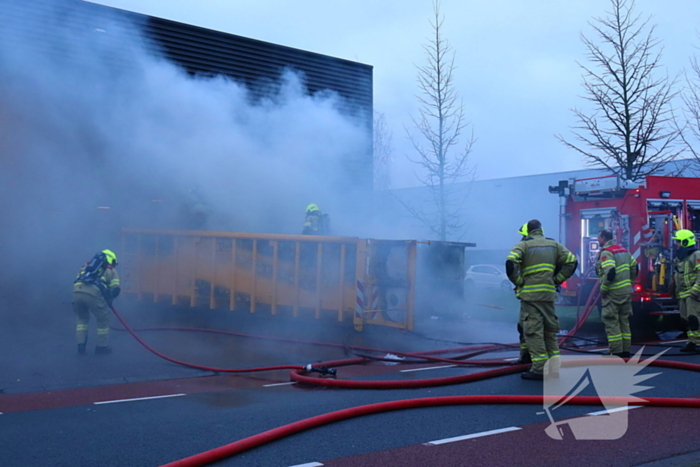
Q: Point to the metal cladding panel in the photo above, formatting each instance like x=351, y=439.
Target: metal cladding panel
x=200, y=51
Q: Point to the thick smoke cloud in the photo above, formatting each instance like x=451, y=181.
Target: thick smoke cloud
x=90, y=119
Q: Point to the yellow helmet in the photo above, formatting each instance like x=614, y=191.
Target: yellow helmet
x=685, y=237
x=311, y=208
x=111, y=257
x=523, y=230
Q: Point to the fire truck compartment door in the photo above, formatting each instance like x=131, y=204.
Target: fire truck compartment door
x=692, y=204
x=664, y=204
x=600, y=212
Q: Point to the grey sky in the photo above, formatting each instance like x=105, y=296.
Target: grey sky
x=517, y=70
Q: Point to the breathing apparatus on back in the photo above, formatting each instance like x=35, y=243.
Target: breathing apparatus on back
x=95, y=269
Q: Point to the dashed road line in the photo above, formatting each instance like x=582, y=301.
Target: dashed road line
x=619, y=409
x=278, y=384
x=474, y=435
x=429, y=368
x=308, y=464
x=138, y=399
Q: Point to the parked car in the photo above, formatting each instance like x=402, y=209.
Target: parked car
x=486, y=276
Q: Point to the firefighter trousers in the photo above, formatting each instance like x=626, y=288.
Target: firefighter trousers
x=83, y=305
x=540, y=327
x=521, y=338
x=692, y=308
x=616, y=318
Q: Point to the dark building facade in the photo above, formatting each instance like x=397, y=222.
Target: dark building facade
x=200, y=51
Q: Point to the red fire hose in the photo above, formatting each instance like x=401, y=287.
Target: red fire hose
x=192, y=365
x=296, y=375
x=590, y=304
x=271, y=435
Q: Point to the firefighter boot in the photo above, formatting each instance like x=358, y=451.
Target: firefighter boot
x=690, y=347
x=103, y=350
x=525, y=359
x=532, y=376
x=81, y=349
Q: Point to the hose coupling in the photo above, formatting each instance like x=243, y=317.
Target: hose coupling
x=321, y=370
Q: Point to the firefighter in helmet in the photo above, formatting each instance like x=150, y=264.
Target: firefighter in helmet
x=524, y=353
x=94, y=289
x=315, y=222
x=195, y=211
x=687, y=285
x=617, y=271
x=536, y=266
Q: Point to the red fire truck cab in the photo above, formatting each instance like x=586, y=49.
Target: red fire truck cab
x=643, y=216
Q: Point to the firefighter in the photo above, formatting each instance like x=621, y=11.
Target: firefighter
x=537, y=266
x=194, y=210
x=524, y=354
x=94, y=289
x=687, y=285
x=617, y=271
x=315, y=222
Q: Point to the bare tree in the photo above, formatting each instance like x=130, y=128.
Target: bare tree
x=383, y=152
x=439, y=128
x=631, y=131
x=691, y=99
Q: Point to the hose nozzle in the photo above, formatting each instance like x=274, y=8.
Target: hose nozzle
x=321, y=370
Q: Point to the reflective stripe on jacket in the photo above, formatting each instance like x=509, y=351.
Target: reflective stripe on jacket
x=109, y=278
x=688, y=275
x=615, y=256
x=543, y=263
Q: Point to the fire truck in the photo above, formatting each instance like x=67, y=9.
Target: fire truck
x=643, y=216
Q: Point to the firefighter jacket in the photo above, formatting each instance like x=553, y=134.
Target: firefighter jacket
x=109, y=278
x=687, y=275
x=539, y=265
x=312, y=223
x=316, y=223
x=617, y=284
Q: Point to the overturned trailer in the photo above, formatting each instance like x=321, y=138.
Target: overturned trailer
x=348, y=279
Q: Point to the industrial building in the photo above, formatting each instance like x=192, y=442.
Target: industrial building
x=201, y=52
x=493, y=210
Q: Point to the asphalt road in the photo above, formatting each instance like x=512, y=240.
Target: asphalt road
x=54, y=410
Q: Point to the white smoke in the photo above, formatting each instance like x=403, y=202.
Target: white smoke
x=90, y=118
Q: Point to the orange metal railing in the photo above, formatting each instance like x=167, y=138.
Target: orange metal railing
x=346, y=278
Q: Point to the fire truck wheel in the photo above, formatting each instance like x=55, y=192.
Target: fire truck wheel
x=673, y=322
x=643, y=326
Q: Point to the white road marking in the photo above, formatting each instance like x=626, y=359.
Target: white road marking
x=475, y=435
x=309, y=464
x=429, y=368
x=139, y=399
x=511, y=359
x=619, y=409
x=278, y=384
